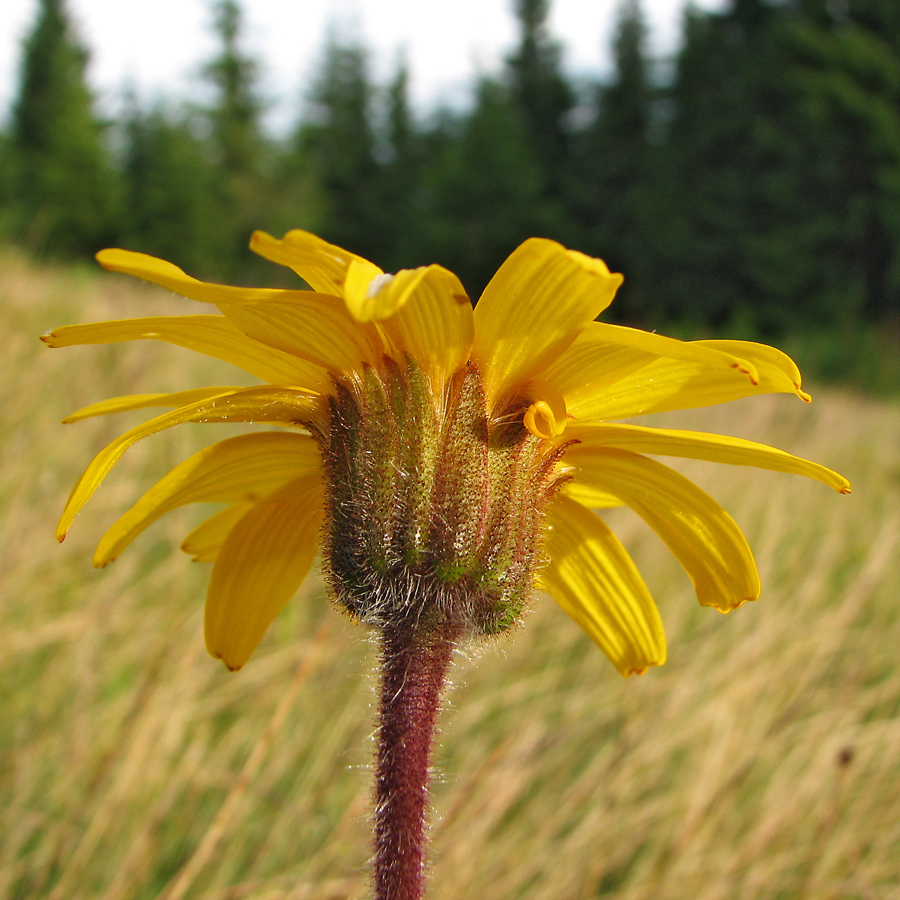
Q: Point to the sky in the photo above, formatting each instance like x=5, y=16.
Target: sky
x=159, y=46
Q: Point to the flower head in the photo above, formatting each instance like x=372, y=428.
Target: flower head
x=445, y=461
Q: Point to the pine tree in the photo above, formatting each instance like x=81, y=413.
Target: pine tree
x=485, y=189
x=66, y=191
x=336, y=146
x=724, y=159
x=170, y=192
x=243, y=193
x=541, y=93
x=399, y=175
x=848, y=70
x=610, y=192
x=235, y=117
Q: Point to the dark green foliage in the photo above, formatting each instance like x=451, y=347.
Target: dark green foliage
x=65, y=192
x=611, y=190
x=337, y=144
x=754, y=190
x=169, y=190
x=240, y=190
x=485, y=189
x=541, y=94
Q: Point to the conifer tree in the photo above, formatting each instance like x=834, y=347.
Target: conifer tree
x=65, y=188
x=336, y=144
x=610, y=192
x=486, y=189
x=242, y=192
x=541, y=93
x=170, y=189
x=400, y=172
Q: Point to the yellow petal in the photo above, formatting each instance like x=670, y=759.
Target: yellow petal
x=205, y=541
x=605, y=354
x=260, y=404
x=315, y=327
x=321, y=265
x=591, y=497
x=703, y=537
x=261, y=564
x=212, y=335
x=777, y=363
x=243, y=468
x=367, y=291
x=534, y=307
x=594, y=580
x=168, y=275
x=434, y=324
x=547, y=416
x=666, y=384
x=699, y=445
x=145, y=401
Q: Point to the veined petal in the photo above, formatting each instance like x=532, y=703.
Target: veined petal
x=591, y=497
x=594, y=580
x=699, y=445
x=258, y=404
x=212, y=335
x=243, y=468
x=168, y=275
x=434, y=324
x=321, y=265
x=314, y=327
x=145, y=401
x=666, y=384
x=703, y=537
x=367, y=291
x=777, y=364
x=261, y=564
x=603, y=355
x=205, y=541
x=534, y=307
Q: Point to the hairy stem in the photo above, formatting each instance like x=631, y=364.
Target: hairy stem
x=414, y=669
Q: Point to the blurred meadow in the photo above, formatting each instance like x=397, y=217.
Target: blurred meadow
x=748, y=187
x=762, y=761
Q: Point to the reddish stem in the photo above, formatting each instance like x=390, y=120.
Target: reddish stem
x=414, y=669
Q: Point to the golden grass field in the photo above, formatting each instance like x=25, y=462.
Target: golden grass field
x=761, y=763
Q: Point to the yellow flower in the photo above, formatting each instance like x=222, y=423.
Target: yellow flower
x=431, y=450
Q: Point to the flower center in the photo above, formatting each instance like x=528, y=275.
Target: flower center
x=435, y=509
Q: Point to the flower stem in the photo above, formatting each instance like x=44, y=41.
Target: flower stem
x=414, y=670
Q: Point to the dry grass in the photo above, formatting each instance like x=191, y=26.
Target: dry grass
x=763, y=761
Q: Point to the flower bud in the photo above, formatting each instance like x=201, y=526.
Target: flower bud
x=435, y=508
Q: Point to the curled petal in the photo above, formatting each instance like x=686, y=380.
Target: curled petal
x=547, y=416
x=701, y=535
x=594, y=580
x=262, y=562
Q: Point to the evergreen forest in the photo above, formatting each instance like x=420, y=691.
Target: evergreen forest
x=749, y=186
